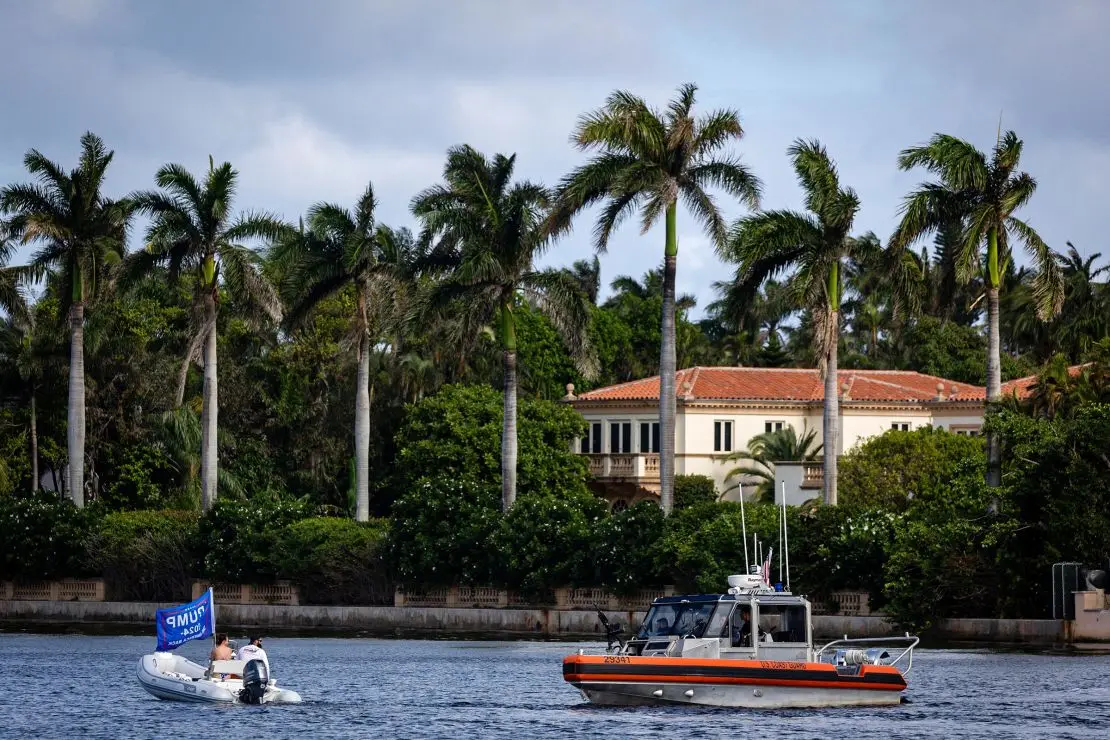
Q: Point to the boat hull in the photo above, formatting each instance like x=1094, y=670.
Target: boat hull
x=173, y=678
x=634, y=681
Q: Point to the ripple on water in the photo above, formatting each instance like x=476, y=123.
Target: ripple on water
x=80, y=686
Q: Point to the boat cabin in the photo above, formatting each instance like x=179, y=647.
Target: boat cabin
x=751, y=622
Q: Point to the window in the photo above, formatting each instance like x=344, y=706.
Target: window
x=900, y=426
x=649, y=436
x=591, y=443
x=620, y=436
x=722, y=436
x=773, y=426
x=965, y=431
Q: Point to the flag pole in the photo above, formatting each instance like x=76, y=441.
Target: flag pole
x=744, y=531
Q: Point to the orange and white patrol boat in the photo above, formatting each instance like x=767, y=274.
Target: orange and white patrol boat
x=750, y=647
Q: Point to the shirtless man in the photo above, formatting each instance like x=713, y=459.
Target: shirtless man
x=222, y=651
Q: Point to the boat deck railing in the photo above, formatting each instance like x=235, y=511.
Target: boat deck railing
x=907, y=643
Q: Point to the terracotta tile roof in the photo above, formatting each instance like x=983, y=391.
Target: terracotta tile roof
x=789, y=384
x=1023, y=387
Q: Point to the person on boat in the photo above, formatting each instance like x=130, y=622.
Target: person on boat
x=742, y=633
x=662, y=626
x=222, y=651
x=253, y=651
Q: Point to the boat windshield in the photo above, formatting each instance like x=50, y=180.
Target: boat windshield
x=665, y=620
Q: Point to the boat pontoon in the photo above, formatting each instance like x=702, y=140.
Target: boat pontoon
x=170, y=676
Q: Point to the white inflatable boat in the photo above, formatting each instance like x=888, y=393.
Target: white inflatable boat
x=169, y=676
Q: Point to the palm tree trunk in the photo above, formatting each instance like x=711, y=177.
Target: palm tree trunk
x=34, y=444
x=183, y=373
x=667, y=367
x=994, y=386
x=75, y=432
x=362, y=432
x=831, y=439
x=209, y=411
x=508, y=427
x=994, y=356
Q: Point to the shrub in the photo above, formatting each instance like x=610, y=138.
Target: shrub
x=44, y=537
x=457, y=434
x=240, y=539
x=442, y=533
x=703, y=545
x=336, y=561
x=885, y=470
x=941, y=560
x=691, y=490
x=623, y=558
x=145, y=555
x=545, y=540
x=841, y=548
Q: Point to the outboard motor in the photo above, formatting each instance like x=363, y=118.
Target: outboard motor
x=256, y=677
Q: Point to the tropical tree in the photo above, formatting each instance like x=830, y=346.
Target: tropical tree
x=646, y=161
x=982, y=195
x=341, y=250
x=587, y=273
x=492, y=230
x=193, y=230
x=814, y=245
x=764, y=450
x=81, y=232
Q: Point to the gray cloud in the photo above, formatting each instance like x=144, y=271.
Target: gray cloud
x=311, y=101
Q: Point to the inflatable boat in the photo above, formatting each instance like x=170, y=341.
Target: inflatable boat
x=169, y=676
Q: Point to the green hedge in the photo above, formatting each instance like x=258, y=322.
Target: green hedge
x=145, y=555
x=336, y=561
x=43, y=537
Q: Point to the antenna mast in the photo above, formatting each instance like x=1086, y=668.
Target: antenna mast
x=744, y=530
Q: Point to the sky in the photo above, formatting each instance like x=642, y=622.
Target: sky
x=310, y=101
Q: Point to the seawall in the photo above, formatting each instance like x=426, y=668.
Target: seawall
x=536, y=623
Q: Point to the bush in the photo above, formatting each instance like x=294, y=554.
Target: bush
x=703, y=545
x=336, y=561
x=942, y=561
x=145, y=555
x=841, y=548
x=885, y=470
x=44, y=537
x=545, y=541
x=691, y=490
x=623, y=558
x=442, y=533
x=457, y=434
x=240, y=540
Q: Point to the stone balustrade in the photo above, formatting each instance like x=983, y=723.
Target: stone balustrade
x=560, y=598
x=65, y=590
x=280, y=593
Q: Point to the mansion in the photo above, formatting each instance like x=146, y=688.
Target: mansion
x=719, y=409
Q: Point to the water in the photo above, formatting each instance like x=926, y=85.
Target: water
x=82, y=686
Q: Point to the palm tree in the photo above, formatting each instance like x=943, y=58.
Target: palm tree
x=587, y=273
x=650, y=286
x=342, y=249
x=764, y=450
x=493, y=230
x=646, y=161
x=814, y=245
x=192, y=230
x=982, y=195
x=82, y=232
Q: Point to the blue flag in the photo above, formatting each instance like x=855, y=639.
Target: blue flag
x=193, y=621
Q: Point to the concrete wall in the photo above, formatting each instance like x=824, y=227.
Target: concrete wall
x=430, y=621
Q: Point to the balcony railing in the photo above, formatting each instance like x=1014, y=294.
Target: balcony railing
x=813, y=475
x=642, y=466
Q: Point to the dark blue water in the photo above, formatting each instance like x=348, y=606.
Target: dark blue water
x=80, y=686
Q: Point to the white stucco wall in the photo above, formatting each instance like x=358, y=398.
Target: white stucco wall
x=694, y=428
